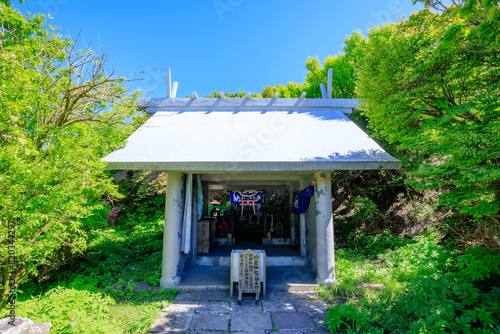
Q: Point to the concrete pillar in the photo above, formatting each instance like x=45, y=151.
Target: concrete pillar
x=172, y=232
x=324, y=230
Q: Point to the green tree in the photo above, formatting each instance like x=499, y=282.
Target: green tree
x=229, y=94
x=291, y=90
x=343, y=76
x=343, y=82
x=60, y=113
x=429, y=85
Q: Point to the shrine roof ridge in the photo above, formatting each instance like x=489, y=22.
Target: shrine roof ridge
x=153, y=105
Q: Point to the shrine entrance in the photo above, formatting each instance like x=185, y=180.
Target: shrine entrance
x=250, y=219
x=249, y=144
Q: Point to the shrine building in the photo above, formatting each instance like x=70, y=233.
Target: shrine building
x=248, y=147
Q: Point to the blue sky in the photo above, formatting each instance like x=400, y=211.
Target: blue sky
x=217, y=44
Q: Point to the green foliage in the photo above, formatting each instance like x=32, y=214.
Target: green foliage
x=461, y=299
x=365, y=202
x=122, y=255
x=123, y=290
x=373, y=245
x=143, y=319
x=142, y=196
x=350, y=320
x=478, y=264
x=363, y=209
x=132, y=255
x=82, y=311
x=375, y=292
x=291, y=90
x=420, y=287
x=135, y=254
x=229, y=94
x=449, y=305
x=346, y=288
x=154, y=278
x=343, y=82
x=137, y=313
x=421, y=258
x=60, y=114
x=429, y=86
x=356, y=268
x=70, y=311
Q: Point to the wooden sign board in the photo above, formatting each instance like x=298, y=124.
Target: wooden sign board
x=249, y=273
x=235, y=269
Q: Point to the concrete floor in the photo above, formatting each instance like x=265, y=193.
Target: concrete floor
x=209, y=278
x=292, y=312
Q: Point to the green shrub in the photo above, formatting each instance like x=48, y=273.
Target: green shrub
x=141, y=323
x=154, y=278
x=460, y=300
x=447, y=304
x=478, y=265
x=70, y=311
x=363, y=209
x=143, y=196
x=122, y=291
x=345, y=288
x=374, y=245
x=114, y=251
x=422, y=258
x=427, y=288
x=349, y=319
x=137, y=312
x=132, y=254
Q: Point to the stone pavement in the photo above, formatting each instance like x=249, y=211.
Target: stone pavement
x=214, y=312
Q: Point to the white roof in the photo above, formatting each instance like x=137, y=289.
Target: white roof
x=214, y=135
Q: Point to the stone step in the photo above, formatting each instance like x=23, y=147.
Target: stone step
x=271, y=261
x=216, y=278
x=225, y=287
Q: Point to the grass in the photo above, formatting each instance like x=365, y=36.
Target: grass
x=82, y=311
x=354, y=272
x=137, y=314
x=363, y=283
x=141, y=270
x=73, y=301
x=420, y=286
x=133, y=318
x=367, y=289
x=386, y=285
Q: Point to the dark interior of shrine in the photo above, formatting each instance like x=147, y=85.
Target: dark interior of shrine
x=264, y=225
